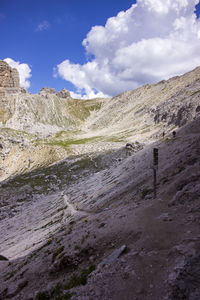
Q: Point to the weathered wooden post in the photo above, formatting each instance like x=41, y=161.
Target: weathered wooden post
x=155, y=167
x=174, y=134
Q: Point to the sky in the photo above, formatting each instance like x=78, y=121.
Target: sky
x=99, y=48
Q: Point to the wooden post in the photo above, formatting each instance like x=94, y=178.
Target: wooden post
x=155, y=166
x=154, y=183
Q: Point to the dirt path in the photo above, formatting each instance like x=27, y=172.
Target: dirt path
x=72, y=211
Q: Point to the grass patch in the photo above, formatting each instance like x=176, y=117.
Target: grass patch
x=168, y=140
x=182, y=168
x=57, y=252
x=9, y=275
x=69, y=142
x=164, y=180
x=144, y=192
x=46, y=244
x=77, y=280
x=51, y=223
x=12, y=274
x=81, y=109
x=42, y=296
x=101, y=225
x=56, y=294
x=114, y=139
x=63, y=133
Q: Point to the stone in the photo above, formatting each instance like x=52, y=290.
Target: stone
x=9, y=77
x=113, y=256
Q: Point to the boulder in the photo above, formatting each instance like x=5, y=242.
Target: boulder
x=113, y=256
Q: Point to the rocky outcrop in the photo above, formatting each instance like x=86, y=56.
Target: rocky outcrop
x=47, y=90
x=9, y=77
x=63, y=94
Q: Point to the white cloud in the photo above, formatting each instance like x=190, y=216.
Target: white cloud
x=163, y=7
x=90, y=95
x=151, y=41
x=24, y=71
x=44, y=25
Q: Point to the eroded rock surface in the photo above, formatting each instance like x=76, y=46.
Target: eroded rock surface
x=181, y=108
x=9, y=77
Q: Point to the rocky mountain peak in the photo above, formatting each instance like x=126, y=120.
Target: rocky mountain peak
x=63, y=94
x=47, y=90
x=9, y=77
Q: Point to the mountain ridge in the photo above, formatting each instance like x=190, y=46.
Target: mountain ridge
x=59, y=123
x=47, y=113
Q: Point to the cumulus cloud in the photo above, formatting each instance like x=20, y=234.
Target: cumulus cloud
x=151, y=41
x=90, y=95
x=44, y=25
x=24, y=71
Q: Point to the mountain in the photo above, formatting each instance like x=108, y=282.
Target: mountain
x=79, y=214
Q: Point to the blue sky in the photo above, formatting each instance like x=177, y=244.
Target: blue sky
x=138, y=45
x=69, y=22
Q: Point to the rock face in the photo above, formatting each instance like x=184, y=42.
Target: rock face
x=9, y=77
x=181, y=108
x=172, y=102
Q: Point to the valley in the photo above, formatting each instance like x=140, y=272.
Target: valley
x=78, y=216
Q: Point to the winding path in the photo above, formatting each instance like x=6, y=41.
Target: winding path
x=72, y=210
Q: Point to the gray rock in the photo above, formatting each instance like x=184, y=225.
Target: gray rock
x=112, y=257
